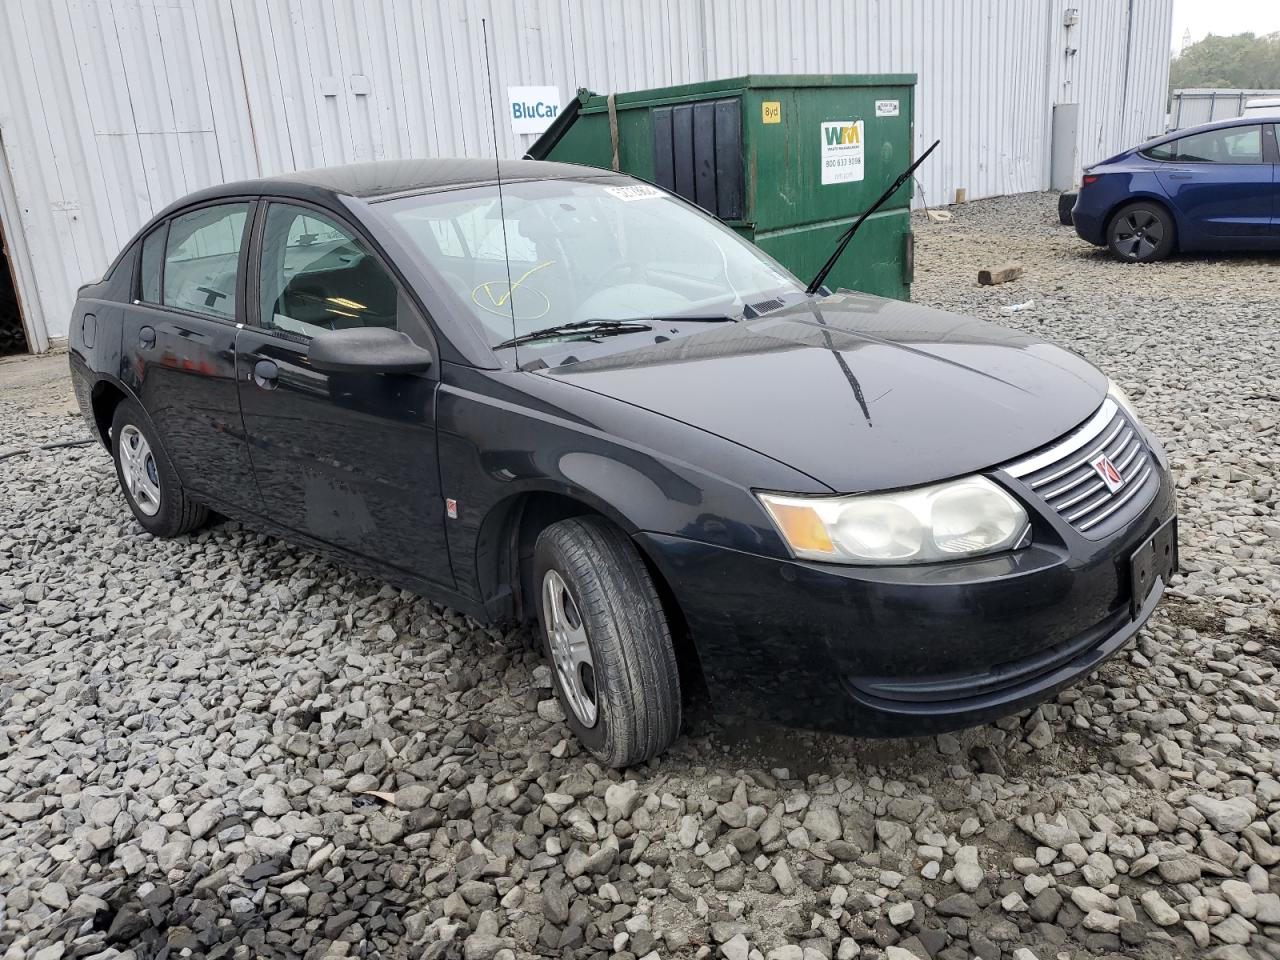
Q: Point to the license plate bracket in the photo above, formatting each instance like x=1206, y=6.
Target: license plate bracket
x=1155, y=559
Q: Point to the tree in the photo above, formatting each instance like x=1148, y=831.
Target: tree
x=1244, y=61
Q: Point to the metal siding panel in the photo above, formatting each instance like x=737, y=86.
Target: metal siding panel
x=179, y=49
x=289, y=82
x=417, y=92
x=50, y=160
x=125, y=199
x=268, y=113
x=227, y=94
x=1193, y=106
x=1116, y=112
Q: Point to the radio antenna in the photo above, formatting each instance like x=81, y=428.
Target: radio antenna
x=502, y=210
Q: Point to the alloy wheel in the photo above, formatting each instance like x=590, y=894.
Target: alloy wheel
x=1138, y=234
x=570, y=648
x=138, y=468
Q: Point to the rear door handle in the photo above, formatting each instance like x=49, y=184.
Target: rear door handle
x=266, y=374
x=147, y=337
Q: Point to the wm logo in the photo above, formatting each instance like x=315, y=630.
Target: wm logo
x=838, y=136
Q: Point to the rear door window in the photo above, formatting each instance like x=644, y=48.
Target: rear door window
x=1231, y=145
x=317, y=275
x=202, y=257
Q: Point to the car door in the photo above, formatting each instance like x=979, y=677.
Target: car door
x=347, y=459
x=1223, y=184
x=178, y=347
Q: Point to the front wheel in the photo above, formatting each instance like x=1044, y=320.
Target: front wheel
x=606, y=635
x=1141, y=233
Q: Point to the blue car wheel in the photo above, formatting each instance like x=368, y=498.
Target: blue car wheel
x=1141, y=233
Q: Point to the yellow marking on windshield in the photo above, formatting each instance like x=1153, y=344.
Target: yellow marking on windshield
x=502, y=301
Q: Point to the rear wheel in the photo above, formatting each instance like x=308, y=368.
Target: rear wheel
x=1141, y=233
x=150, y=484
x=606, y=635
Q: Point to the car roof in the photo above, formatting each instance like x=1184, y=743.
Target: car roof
x=381, y=179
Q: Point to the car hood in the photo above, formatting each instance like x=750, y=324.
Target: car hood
x=858, y=392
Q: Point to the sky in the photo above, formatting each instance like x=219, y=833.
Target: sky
x=1223, y=17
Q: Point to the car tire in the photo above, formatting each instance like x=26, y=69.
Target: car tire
x=150, y=484
x=1141, y=233
x=606, y=636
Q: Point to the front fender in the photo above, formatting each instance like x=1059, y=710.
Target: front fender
x=504, y=435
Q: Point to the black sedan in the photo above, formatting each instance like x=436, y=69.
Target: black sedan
x=580, y=400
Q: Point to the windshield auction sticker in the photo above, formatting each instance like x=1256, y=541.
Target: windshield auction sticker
x=635, y=191
x=842, y=151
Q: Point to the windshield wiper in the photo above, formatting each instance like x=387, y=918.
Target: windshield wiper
x=594, y=328
x=679, y=319
x=816, y=283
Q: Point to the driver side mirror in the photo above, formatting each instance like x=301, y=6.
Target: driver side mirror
x=367, y=350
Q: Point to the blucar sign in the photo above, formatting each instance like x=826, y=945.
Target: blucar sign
x=532, y=109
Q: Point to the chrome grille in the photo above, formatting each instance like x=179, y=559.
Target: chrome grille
x=1064, y=476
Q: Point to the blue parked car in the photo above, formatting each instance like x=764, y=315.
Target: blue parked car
x=1211, y=187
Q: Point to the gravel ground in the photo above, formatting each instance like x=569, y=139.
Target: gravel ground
x=225, y=746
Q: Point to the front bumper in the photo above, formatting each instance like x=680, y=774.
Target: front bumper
x=905, y=651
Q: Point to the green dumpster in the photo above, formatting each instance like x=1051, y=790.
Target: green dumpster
x=789, y=161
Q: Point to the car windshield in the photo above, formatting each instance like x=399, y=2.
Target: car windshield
x=584, y=250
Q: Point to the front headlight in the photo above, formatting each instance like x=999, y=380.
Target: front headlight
x=946, y=521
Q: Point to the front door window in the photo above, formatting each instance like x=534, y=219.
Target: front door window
x=317, y=275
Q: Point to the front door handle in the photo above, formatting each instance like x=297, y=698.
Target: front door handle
x=266, y=374
x=1180, y=176
x=147, y=337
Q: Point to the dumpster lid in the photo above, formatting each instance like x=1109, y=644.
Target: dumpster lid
x=539, y=149
x=751, y=81
x=591, y=102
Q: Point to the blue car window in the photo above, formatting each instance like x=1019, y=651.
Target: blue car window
x=1230, y=145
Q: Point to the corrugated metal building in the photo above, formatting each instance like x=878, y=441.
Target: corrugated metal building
x=110, y=109
x=1193, y=105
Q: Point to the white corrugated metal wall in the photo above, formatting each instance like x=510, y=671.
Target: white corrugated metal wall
x=1193, y=105
x=110, y=109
